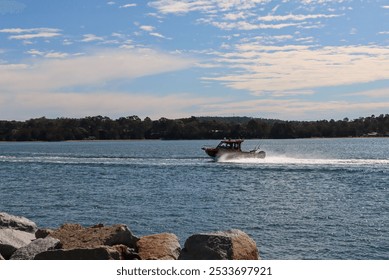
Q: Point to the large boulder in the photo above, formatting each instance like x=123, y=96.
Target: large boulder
x=17, y=223
x=164, y=246
x=98, y=253
x=11, y=240
x=228, y=245
x=35, y=247
x=74, y=236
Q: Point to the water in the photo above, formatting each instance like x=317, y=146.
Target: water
x=309, y=199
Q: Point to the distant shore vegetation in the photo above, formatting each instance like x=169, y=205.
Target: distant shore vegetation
x=132, y=127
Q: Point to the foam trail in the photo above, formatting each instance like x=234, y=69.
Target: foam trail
x=283, y=160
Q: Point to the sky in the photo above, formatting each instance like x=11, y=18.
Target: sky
x=289, y=60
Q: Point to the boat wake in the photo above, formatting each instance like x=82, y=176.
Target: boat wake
x=283, y=160
x=103, y=160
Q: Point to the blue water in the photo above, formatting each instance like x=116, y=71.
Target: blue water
x=309, y=199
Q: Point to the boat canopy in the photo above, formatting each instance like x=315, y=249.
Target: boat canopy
x=231, y=144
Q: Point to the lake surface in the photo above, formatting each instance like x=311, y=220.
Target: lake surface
x=309, y=199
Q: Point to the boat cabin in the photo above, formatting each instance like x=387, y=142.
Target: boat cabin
x=229, y=144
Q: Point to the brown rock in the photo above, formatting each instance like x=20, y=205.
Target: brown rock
x=74, y=236
x=164, y=246
x=228, y=245
x=243, y=246
x=99, y=253
x=126, y=253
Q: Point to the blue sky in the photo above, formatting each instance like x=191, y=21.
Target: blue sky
x=291, y=60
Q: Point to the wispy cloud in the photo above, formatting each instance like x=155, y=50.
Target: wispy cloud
x=61, y=85
x=128, y=5
x=50, y=54
x=278, y=69
x=159, y=35
x=148, y=28
x=31, y=33
x=93, y=69
x=91, y=38
x=113, y=104
x=181, y=7
x=295, y=17
x=244, y=25
x=34, y=36
x=294, y=108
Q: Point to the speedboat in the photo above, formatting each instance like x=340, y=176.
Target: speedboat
x=231, y=149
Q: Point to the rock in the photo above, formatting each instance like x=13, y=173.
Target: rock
x=243, y=246
x=17, y=223
x=228, y=245
x=1, y=258
x=164, y=246
x=43, y=232
x=35, y=247
x=99, y=253
x=126, y=253
x=74, y=236
x=11, y=240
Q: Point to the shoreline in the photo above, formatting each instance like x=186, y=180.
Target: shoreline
x=21, y=239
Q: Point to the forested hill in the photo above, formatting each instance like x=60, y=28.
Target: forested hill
x=104, y=128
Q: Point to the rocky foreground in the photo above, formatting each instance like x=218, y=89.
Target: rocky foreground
x=21, y=239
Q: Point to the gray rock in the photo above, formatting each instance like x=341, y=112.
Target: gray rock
x=35, y=247
x=17, y=222
x=207, y=247
x=11, y=240
x=100, y=253
x=228, y=245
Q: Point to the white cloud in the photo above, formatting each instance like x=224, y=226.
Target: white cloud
x=34, y=36
x=295, y=17
x=112, y=104
x=91, y=38
x=205, y=6
x=298, y=109
x=236, y=16
x=244, y=25
x=148, y=28
x=156, y=34
x=29, y=30
x=51, y=54
x=89, y=70
x=60, y=86
x=128, y=5
x=31, y=33
x=181, y=7
x=259, y=69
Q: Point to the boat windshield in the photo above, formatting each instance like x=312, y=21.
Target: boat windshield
x=229, y=145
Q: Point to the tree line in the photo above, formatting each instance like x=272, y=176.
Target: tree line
x=132, y=127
